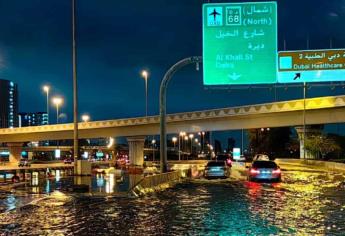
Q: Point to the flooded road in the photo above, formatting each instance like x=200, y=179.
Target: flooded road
x=305, y=203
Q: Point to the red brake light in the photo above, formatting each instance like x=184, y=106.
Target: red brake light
x=254, y=171
x=276, y=171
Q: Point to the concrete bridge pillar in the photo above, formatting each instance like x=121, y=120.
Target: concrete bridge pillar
x=308, y=131
x=136, y=150
x=15, y=150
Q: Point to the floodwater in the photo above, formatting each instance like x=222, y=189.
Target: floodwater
x=305, y=203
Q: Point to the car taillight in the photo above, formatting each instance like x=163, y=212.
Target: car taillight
x=276, y=171
x=254, y=171
x=228, y=161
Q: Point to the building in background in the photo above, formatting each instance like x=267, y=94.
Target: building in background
x=8, y=104
x=32, y=119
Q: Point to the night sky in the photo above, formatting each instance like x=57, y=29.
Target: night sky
x=117, y=39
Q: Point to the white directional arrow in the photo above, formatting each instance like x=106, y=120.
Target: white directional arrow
x=234, y=76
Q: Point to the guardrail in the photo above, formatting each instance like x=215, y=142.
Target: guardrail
x=156, y=182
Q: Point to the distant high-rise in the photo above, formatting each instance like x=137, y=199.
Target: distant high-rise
x=8, y=104
x=32, y=119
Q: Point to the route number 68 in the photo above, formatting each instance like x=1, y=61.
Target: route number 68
x=233, y=15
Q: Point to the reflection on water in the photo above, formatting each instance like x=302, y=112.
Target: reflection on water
x=100, y=183
x=57, y=175
x=303, y=204
x=110, y=184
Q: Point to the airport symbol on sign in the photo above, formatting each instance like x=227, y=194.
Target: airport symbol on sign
x=215, y=16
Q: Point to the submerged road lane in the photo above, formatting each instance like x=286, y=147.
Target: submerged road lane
x=305, y=203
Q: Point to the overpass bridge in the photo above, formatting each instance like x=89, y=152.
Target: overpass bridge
x=320, y=110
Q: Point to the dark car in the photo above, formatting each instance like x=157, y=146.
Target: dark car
x=264, y=170
x=216, y=169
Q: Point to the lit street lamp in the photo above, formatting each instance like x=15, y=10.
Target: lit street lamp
x=153, y=149
x=57, y=101
x=174, y=139
x=46, y=90
x=145, y=75
x=197, y=143
x=85, y=118
x=191, y=136
x=186, y=144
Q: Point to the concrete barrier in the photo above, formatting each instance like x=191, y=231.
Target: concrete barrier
x=155, y=183
x=331, y=166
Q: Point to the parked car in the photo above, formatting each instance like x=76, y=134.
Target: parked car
x=24, y=163
x=216, y=169
x=264, y=170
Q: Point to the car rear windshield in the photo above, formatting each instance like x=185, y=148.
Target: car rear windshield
x=216, y=163
x=264, y=164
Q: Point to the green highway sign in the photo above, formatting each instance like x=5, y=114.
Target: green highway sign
x=322, y=65
x=240, y=43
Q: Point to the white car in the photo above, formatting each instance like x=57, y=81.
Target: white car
x=261, y=157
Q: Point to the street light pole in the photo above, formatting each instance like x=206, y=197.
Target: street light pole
x=304, y=120
x=174, y=139
x=75, y=88
x=191, y=136
x=180, y=143
x=203, y=141
x=146, y=104
x=57, y=113
x=46, y=89
x=185, y=144
x=144, y=73
x=242, y=141
x=153, y=149
x=57, y=102
x=179, y=147
x=162, y=105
